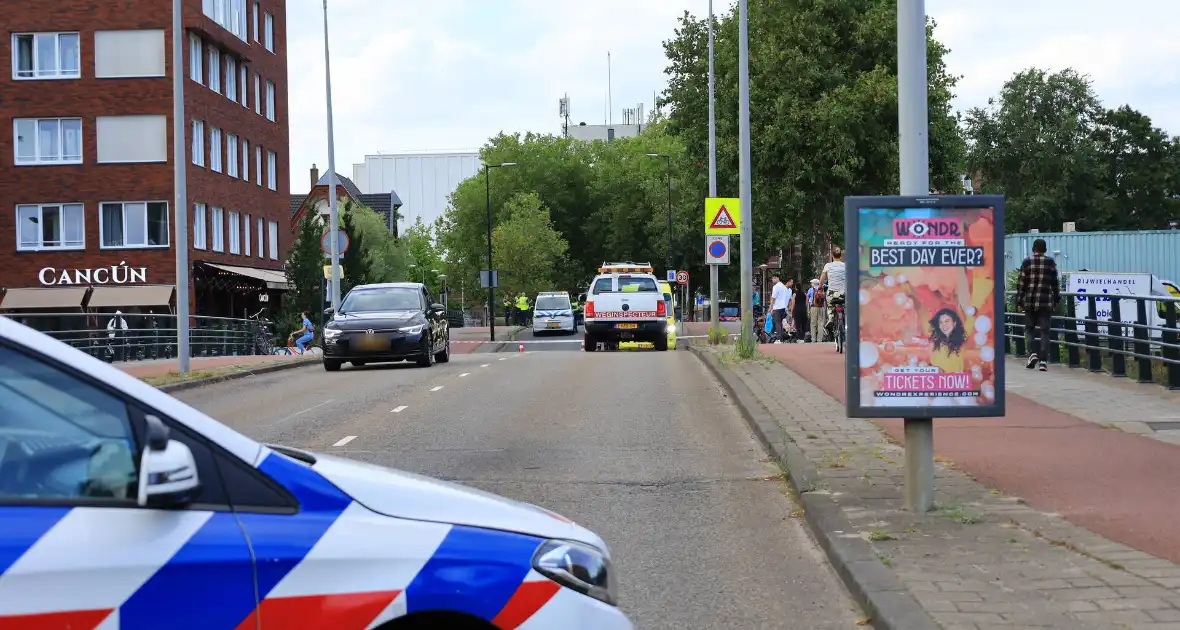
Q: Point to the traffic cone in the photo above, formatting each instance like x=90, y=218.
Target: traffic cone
x=522, y=346
x=583, y=348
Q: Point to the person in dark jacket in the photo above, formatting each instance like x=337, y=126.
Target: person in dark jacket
x=1037, y=295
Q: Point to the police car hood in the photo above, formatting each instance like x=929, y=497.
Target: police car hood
x=401, y=494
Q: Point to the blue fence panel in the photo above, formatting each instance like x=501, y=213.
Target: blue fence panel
x=1149, y=251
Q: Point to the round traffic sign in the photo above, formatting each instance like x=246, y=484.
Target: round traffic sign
x=682, y=277
x=717, y=249
x=341, y=242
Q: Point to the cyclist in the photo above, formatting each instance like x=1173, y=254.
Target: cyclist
x=304, y=335
x=833, y=279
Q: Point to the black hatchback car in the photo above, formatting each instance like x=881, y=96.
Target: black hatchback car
x=394, y=321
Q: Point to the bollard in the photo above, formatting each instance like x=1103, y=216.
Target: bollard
x=583, y=348
x=522, y=346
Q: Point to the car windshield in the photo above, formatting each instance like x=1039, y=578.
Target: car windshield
x=639, y=284
x=553, y=303
x=381, y=299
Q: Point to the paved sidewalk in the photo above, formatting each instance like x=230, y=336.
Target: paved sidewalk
x=150, y=369
x=984, y=558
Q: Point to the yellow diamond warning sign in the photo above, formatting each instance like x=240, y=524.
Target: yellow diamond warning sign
x=723, y=215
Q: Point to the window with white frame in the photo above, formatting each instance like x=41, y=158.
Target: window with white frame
x=272, y=233
x=245, y=160
x=231, y=79
x=256, y=9
x=218, y=228
x=235, y=234
x=46, y=56
x=50, y=226
x=257, y=93
x=231, y=155
x=269, y=31
x=133, y=224
x=230, y=14
x=215, y=149
x=261, y=243
x=196, y=59
x=246, y=235
x=47, y=140
x=272, y=179
x=270, y=100
x=258, y=165
x=214, y=69
x=243, y=72
x=200, y=238
x=198, y=143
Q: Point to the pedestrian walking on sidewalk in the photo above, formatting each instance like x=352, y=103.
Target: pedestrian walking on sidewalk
x=815, y=303
x=780, y=298
x=1037, y=295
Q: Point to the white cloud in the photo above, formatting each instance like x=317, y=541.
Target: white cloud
x=448, y=74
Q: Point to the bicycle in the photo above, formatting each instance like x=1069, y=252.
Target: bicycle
x=838, y=326
x=263, y=343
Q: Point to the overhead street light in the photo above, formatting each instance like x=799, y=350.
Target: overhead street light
x=668, y=175
x=487, y=178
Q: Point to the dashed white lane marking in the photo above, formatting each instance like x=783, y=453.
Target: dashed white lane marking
x=399, y=409
x=436, y=388
x=484, y=365
x=503, y=358
x=299, y=413
x=464, y=374
x=345, y=440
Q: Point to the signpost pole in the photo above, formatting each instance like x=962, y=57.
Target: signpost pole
x=180, y=183
x=744, y=192
x=915, y=180
x=713, y=273
x=334, y=216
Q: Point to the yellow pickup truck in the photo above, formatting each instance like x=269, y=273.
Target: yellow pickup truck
x=669, y=297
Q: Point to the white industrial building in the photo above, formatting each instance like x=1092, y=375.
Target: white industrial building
x=423, y=181
x=602, y=132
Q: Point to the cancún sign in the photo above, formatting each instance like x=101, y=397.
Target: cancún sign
x=121, y=273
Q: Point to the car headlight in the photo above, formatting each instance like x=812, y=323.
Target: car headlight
x=579, y=567
x=412, y=330
x=331, y=333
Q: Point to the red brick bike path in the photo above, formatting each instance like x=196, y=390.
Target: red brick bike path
x=1122, y=486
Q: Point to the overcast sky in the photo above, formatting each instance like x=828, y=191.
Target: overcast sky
x=448, y=74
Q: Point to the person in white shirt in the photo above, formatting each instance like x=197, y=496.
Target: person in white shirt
x=835, y=277
x=780, y=298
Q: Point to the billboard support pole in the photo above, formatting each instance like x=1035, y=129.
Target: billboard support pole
x=914, y=161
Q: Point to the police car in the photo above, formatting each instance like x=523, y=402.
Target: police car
x=122, y=507
x=553, y=312
x=626, y=304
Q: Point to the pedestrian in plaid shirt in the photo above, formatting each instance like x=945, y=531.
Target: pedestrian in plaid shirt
x=1037, y=295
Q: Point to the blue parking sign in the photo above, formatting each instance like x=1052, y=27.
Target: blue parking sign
x=671, y=275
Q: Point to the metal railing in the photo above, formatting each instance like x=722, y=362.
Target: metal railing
x=1143, y=345
x=149, y=336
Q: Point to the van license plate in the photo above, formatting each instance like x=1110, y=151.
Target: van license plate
x=627, y=326
x=553, y=324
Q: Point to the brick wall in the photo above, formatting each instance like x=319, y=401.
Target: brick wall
x=88, y=97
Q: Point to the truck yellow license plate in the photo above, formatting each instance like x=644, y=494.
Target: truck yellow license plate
x=626, y=326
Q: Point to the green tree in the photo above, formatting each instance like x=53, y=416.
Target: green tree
x=356, y=263
x=424, y=260
x=527, y=248
x=305, y=272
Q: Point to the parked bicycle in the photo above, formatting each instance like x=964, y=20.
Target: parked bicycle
x=263, y=340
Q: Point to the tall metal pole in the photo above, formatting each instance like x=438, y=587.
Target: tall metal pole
x=914, y=160
x=668, y=174
x=714, y=317
x=180, y=185
x=744, y=192
x=334, y=217
x=487, y=180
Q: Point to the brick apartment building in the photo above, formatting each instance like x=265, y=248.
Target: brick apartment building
x=86, y=171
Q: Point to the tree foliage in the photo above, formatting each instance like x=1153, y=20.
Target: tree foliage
x=305, y=272
x=1048, y=144
x=356, y=267
x=527, y=246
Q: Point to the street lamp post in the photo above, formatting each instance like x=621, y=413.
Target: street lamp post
x=746, y=235
x=180, y=183
x=714, y=272
x=334, y=216
x=668, y=175
x=442, y=277
x=487, y=179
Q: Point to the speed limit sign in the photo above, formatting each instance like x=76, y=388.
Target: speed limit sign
x=682, y=277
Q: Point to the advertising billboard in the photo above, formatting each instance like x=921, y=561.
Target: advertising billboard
x=925, y=306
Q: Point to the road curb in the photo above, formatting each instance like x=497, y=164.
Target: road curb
x=874, y=587
x=233, y=376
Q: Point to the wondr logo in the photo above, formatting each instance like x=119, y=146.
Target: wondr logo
x=927, y=228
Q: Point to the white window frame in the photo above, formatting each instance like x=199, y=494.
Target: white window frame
x=196, y=59
x=268, y=33
x=244, y=73
x=214, y=68
x=198, y=144
x=38, y=160
x=144, y=245
x=261, y=239
x=215, y=152
x=257, y=94
x=245, y=160
x=272, y=178
x=235, y=232
x=231, y=155
x=256, y=8
x=229, y=14
x=217, y=242
x=200, y=226
x=272, y=237
x=39, y=74
x=41, y=246
x=231, y=78
x=246, y=236
x=258, y=165
x=270, y=100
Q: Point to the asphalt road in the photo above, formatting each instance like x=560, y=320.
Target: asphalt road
x=551, y=342
x=642, y=447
